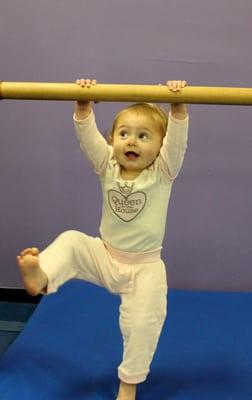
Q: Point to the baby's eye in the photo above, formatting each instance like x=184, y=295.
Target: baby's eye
x=143, y=135
x=123, y=134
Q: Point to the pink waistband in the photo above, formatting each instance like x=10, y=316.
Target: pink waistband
x=134, y=258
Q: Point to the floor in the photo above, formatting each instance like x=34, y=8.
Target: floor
x=71, y=347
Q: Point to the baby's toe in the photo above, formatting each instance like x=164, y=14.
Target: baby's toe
x=35, y=251
x=26, y=251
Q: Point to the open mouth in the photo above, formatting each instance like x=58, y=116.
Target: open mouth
x=131, y=155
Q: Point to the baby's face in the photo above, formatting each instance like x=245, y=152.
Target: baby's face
x=136, y=141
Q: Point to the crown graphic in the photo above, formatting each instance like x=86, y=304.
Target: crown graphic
x=126, y=188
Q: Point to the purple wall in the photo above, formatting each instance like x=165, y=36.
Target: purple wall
x=46, y=185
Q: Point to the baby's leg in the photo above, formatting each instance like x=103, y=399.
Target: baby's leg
x=126, y=392
x=72, y=255
x=34, y=278
x=142, y=314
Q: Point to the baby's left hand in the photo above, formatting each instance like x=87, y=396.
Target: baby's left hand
x=176, y=86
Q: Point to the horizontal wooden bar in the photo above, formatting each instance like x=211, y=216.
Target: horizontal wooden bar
x=125, y=93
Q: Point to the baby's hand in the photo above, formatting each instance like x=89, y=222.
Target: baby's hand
x=86, y=82
x=176, y=86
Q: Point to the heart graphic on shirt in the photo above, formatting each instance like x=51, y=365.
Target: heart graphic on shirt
x=126, y=207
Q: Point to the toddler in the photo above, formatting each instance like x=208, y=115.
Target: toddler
x=136, y=170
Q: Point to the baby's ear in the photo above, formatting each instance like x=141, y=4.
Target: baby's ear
x=110, y=139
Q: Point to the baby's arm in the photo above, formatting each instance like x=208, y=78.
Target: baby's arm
x=175, y=142
x=92, y=143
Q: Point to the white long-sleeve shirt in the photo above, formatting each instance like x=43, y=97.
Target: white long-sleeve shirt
x=134, y=212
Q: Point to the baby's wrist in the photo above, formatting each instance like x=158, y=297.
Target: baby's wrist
x=179, y=111
x=82, y=110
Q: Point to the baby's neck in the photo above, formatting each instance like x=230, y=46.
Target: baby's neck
x=129, y=175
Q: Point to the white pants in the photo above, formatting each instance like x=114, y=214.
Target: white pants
x=139, y=279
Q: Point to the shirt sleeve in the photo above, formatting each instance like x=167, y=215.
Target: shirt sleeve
x=174, y=146
x=93, y=145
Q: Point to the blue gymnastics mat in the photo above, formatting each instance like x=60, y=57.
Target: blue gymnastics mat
x=71, y=347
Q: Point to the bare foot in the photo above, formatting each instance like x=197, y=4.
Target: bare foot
x=126, y=392
x=33, y=276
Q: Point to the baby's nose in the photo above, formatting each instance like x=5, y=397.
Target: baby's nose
x=132, y=140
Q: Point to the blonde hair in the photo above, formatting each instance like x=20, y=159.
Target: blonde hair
x=153, y=111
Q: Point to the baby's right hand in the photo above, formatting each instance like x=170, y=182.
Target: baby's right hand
x=86, y=82
x=83, y=107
